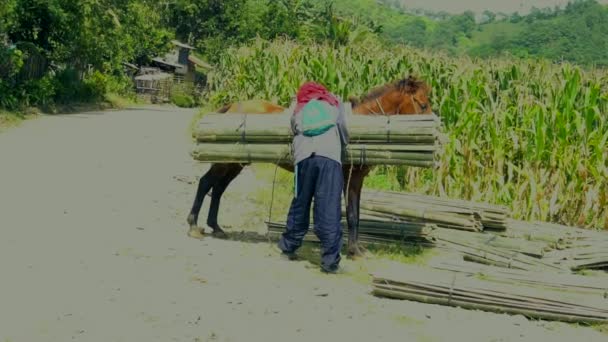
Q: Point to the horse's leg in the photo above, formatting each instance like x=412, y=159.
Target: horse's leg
x=207, y=181
x=352, y=192
x=218, y=190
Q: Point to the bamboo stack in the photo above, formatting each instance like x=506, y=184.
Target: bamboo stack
x=499, y=256
x=446, y=213
x=491, y=217
x=572, y=248
x=449, y=288
x=275, y=128
x=557, y=281
x=374, y=232
x=482, y=248
x=482, y=241
x=359, y=154
x=581, y=258
x=558, y=236
x=411, y=140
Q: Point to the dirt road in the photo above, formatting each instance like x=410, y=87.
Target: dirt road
x=93, y=247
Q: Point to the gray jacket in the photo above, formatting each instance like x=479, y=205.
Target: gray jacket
x=330, y=144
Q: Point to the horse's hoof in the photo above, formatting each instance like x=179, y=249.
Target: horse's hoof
x=356, y=252
x=219, y=233
x=196, y=233
x=191, y=220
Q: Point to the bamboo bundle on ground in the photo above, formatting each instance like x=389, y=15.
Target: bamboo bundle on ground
x=483, y=241
x=581, y=258
x=371, y=231
x=411, y=155
x=275, y=128
x=558, y=236
x=557, y=281
x=443, y=217
x=441, y=287
x=489, y=216
x=496, y=256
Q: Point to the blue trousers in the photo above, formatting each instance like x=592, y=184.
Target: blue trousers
x=321, y=178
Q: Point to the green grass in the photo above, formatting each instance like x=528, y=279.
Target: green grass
x=110, y=101
x=183, y=100
x=117, y=101
x=602, y=328
x=283, y=191
x=409, y=254
x=10, y=119
x=489, y=31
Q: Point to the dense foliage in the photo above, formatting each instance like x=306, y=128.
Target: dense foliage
x=81, y=47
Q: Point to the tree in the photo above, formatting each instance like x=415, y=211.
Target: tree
x=489, y=16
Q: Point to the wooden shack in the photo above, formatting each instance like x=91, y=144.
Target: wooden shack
x=154, y=85
x=182, y=63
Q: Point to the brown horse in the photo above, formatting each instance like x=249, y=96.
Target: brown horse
x=406, y=96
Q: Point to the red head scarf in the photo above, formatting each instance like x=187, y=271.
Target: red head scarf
x=310, y=91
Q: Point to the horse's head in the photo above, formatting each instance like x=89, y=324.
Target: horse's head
x=406, y=96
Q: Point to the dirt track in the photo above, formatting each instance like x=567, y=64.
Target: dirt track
x=93, y=247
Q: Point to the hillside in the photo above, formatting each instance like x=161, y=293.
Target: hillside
x=577, y=34
x=574, y=33
x=480, y=6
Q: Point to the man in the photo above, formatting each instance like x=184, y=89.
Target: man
x=320, y=134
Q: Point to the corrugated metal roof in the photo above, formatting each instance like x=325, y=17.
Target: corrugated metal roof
x=180, y=44
x=199, y=62
x=162, y=61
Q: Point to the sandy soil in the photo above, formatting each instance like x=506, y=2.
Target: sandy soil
x=93, y=247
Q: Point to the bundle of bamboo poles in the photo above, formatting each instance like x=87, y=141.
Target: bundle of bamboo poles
x=558, y=281
x=411, y=140
x=446, y=213
x=492, y=217
x=497, y=256
x=373, y=231
x=483, y=248
x=581, y=258
x=558, y=236
x=276, y=128
x=359, y=154
x=460, y=240
x=409, y=282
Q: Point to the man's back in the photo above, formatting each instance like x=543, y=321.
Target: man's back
x=328, y=144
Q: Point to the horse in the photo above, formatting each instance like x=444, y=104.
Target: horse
x=402, y=97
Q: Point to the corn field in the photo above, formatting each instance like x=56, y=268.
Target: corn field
x=531, y=135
